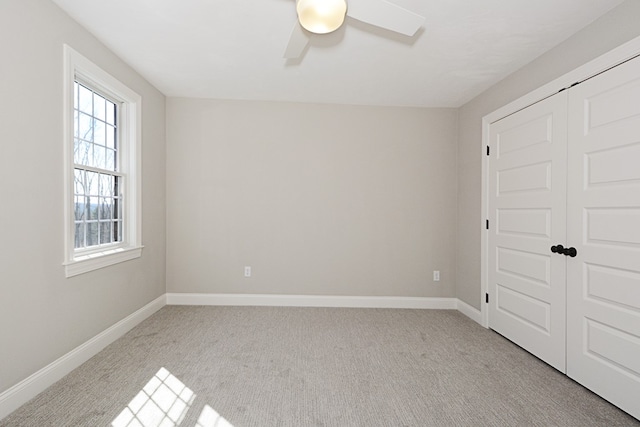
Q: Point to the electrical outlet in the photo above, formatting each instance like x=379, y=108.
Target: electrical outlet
x=436, y=275
x=247, y=271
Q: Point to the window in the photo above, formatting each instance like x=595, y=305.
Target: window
x=102, y=166
x=97, y=180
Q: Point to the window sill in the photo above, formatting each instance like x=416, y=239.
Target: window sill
x=86, y=263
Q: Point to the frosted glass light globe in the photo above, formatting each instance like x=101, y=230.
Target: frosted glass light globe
x=321, y=16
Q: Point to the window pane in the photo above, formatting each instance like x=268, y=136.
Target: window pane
x=105, y=208
x=105, y=232
x=98, y=107
x=85, y=103
x=111, y=113
x=79, y=237
x=98, y=132
x=82, y=152
x=92, y=234
x=118, y=208
x=98, y=156
x=78, y=187
x=93, y=183
x=111, y=136
x=75, y=123
x=118, y=230
x=110, y=161
x=80, y=208
x=106, y=185
x=85, y=127
x=94, y=204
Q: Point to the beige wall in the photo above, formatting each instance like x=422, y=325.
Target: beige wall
x=317, y=199
x=611, y=30
x=43, y=315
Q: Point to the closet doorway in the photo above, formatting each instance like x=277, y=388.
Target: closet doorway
x=564, y=232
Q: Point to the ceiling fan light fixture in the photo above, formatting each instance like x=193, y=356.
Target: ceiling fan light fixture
x=321, y=16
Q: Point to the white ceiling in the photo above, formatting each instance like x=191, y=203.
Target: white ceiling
x=232, y=49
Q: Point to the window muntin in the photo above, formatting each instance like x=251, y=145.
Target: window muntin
x=98, y=202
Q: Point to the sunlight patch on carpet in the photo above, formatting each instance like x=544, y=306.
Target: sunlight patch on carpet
x=162, y=402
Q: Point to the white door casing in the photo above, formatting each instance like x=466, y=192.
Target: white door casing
x=603, y=280
x=527, y=215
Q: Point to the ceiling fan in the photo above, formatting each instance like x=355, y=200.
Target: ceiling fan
x=326, y=16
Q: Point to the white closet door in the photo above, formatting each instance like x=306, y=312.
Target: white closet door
x=527, y=189
x=603, y=335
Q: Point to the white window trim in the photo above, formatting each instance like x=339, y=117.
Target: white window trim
x=85, y=260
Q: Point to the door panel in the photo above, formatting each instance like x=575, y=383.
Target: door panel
x=527, y=189
x=612, y=286
x=522, y=179
x=524, y=308
x=613, y=348
x=615, y=166
x=613, y=226
x=524, y=265
x=603, y=224
x=524, y=222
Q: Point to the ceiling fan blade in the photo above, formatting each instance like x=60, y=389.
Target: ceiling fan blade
x=385, y=15
x=298, y=40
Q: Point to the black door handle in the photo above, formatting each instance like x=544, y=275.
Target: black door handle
x=561, y=250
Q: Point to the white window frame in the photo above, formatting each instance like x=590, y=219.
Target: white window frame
x=78, y=261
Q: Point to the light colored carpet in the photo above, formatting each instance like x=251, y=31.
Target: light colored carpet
x=270, y=366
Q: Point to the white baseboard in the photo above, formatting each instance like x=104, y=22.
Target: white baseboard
x=25, y=390
x=310, y=301
x=469, y=311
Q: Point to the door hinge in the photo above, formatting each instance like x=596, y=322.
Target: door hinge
x=488, y=150
x=486, y=297
x=487, y=224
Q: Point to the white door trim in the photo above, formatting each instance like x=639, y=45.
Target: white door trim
x=596, y=66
